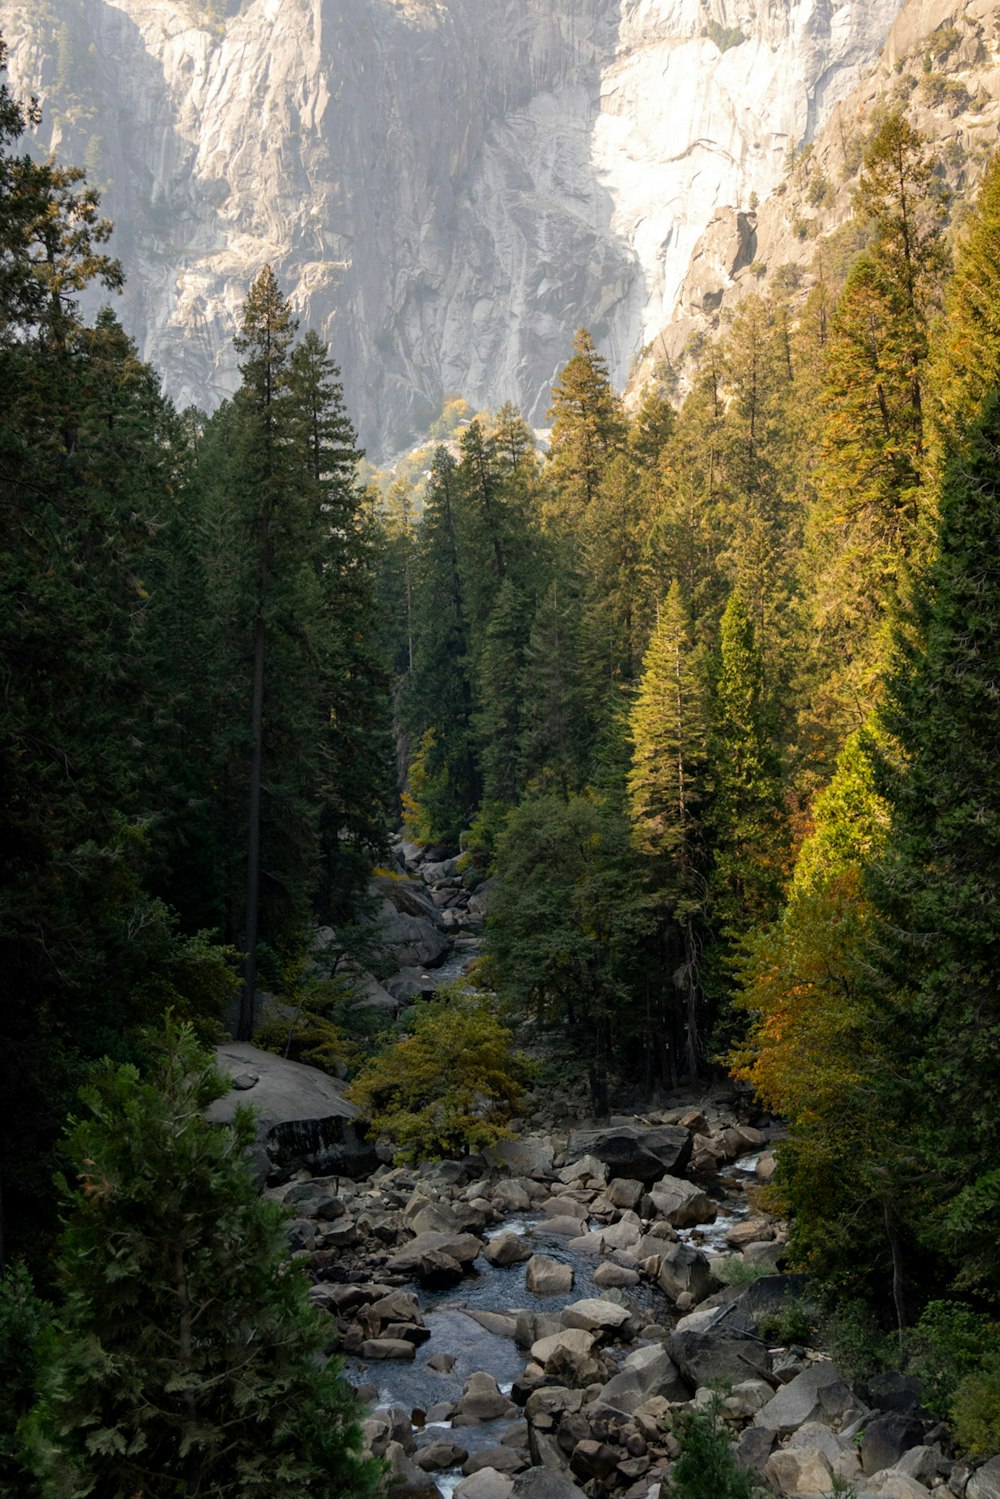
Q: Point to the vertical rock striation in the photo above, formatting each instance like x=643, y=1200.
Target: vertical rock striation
x=446, y=188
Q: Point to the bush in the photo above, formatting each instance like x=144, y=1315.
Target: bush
x=950, y=1344
x=858, y=1345
x=735, y=1270
x=451, y=1085
x=24, y=1319
x=707, y=1467
x=795, y=1323
x=975, y=1412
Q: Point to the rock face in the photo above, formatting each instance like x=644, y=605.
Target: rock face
x=445, y=188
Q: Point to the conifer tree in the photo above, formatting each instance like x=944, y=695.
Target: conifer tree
x=745, y=815
x=500, y=719
x=966, y=361
x=189, y=1358
x=588, y=429
x=556, y=731
x=666, y=789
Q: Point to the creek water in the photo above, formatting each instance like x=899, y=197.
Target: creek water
x=454, y=1330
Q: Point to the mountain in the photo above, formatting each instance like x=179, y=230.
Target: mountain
x=446, y=188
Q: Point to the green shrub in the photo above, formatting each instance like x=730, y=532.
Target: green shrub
x=858, y=1345
x=796, y=1322
x=950, y=1344
x=707, y=1467
x=735, y=1270
x=975, y=1411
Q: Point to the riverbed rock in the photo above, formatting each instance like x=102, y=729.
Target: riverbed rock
x=486, y=1484
x=529, y=1157
x=482, y=1401
x=302, y=1115
x=441, y=1453
x=610, y=1275
x=506, y=1249
x=985, y=1482
x=799, y=1470
x=587, y=1168
x=545, y=1483
x=595, y=1315
x=510, y=1196
x=645, y=1373
x=817, y=1394
x=545, y=1276
x=624, y=1234
x=573, y=1339
x=564, y=1226
x=387, y=1348
x=592, y=1459
x=500, y=1458
x=643, y=1152
x=680, y=1203
x=885, y=1438
x=892, y=1484
x=406, y=1479
x=684, y=1269
x=436, y=1257
x=623, y=1191
x=752, y=1231
x=705, y=1358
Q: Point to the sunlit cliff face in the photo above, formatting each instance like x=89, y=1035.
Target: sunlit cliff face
x=446, y=188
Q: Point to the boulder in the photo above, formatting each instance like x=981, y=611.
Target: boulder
x=510, y=1197
x=545, y=1276
x=506, y=1249
x=706, y=1357
x=501, y=1458
x=436, y=1255
x=482, y=1401
x=441, y=1453
x=573, y=1339
x=398, y=1306
x=643, y=1152
x=624, y=1234
x=302, y=1116
x=565, y=1227
x=683, y=1269
x=985, y=1482
x=375, y=1349
x=623, y=1191
x=521, y=1157
x=817, y=1394
x=885, y=1438
x=645, y=1373
x=585, y=1169
x=799, y=1470
x=608, y=1275
x=486, y=1484
x=681, y=1203
x=592, y=1459
x=407, y=1481
x=595, y=1315
x=895, y=1485
x=752, y=1231
x=501, y=1324
x=754, y=1447
x=567, y=1359
x=545, y=1483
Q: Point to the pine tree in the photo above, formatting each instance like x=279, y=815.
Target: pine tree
x=666, y=787
x=966, y=361
x=937, y=888
x=500, y=719
x=556, y=730
x=745, y=816
x=189, y=1356
x=588, y=429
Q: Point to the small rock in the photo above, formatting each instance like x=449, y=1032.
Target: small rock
x=506, y=1249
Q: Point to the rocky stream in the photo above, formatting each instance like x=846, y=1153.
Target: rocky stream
x=532, y=1322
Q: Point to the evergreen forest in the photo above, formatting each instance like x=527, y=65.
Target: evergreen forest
x=707, y=690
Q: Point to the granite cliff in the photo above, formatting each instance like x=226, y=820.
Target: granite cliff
x=446, y=188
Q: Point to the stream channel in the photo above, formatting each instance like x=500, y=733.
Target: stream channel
x=454, y=1331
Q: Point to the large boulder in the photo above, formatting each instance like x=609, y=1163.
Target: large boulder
x=545, y=1483
x=985, y=1483
x=645, y=1152
x=706, y=1357
x=680, y=1203
x=885, y=1439
x=545, y=1276
x=413, y=940
x=506, y=1249
x=486, y=1484
x=406, y=1480
x=522, y=1157
x=302, y=1115
x=595, y=1315
x=817, y=1394
x=647, y=1372
x=683, y=1270
x=436, y=1258
x=482, y=1401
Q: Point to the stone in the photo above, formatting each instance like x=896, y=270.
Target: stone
x=441, y=1453
x=595, y=1315
x=572, y=1338
x=891, y=1484
x=645, y=1153
x=624, y=1234
x=506, y=1249
x=646, y=1373
x=422, y=1257
x=681, y=1203
x=302, y=1115
x=817, y=1394
x=985, y=1482
x=530, y=1326
x=406, y=1479
x=623, y=1191
x=587, y=1168
x=433, y=1218
x=752, y=1231
x=522, y=1157
x=799, y=1470
x=609, y=1275
x=754, y=1447
x=387, y=1348
x=921, y=1463
x=501, y=1324
x=705, y=1358
x=592, y=1459
x=486, y=1484
x=896, y=1392
x=545, y=1483
x=565, y=1226
x=500, y=1458
x=510, y=1197
x=441, y=1363
x=683, y=1269
x=398, y=1306
x=545, y=1276
x=482, y=1401
x=885, y=1438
